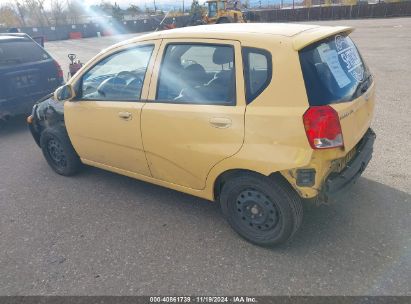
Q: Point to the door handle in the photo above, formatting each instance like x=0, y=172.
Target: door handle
x=220, y=122
x=125, y=115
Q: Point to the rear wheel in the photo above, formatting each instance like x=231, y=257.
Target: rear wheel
x=59, y=152
x=264, y=211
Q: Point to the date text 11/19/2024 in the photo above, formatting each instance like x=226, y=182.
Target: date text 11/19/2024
x=202, y=299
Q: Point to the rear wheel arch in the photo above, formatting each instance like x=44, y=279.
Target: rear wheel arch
x=269, y=211
x=232, y=173
x=224, y=176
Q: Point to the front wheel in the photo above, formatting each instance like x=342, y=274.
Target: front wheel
x=59, y=152
x=262, y=210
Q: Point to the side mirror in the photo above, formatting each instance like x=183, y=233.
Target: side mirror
x=65, y=92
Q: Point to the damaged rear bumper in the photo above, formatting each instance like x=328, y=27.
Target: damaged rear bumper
x=337, y=182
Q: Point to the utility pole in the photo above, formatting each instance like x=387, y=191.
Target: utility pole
x=155, y=7
x=183, y=7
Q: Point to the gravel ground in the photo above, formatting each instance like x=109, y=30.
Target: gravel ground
x=103, y=234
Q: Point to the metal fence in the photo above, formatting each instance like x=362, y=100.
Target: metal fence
x=88, y=30
x=333, y=12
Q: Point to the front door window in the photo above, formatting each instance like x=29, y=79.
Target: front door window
x=119, y=77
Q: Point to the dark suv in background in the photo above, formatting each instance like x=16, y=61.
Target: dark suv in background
x=27, y=73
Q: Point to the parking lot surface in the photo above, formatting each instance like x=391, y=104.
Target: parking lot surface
x=99, y=233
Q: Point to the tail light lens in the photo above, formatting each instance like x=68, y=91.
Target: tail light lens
x=322, y=126
x=59, y=70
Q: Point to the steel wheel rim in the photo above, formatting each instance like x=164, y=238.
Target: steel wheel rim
x=256, y=211
x=56, y=153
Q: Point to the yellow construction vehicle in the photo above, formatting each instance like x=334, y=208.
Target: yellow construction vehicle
x=218, y=12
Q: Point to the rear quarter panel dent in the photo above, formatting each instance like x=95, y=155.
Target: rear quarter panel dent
x=275, y=139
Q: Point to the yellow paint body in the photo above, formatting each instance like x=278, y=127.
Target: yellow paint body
x=183, y=146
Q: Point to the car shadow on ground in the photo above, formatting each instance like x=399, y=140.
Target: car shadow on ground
x=369, y=217
x=13, y=125
x=368, y=211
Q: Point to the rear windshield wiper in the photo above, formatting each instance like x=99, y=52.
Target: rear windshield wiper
x=362, y=87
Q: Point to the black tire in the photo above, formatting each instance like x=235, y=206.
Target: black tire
x=59, y=152
x=265, y=211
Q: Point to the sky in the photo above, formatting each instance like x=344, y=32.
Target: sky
x=149, y=3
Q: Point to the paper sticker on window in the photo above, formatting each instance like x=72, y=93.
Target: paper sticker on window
x=330, y=57
x=349, y=54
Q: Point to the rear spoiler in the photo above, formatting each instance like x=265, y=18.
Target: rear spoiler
x=307, y=37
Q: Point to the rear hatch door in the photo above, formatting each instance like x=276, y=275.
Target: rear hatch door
x=25, y=69
x=355, y=117
x=335, y=74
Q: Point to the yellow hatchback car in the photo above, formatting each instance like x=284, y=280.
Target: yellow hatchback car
x=258, y=117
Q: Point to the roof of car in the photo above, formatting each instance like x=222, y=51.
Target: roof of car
x=285, y=29
x=10, y=36
x=301, y=34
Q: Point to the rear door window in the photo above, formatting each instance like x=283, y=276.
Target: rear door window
x=20, y=51
x=257, y=71
x=197, y=73
x=334, y=71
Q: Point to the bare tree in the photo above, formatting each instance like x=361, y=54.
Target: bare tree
x=36, y=11
x=134, y=10
x=8, y=16
x=73, y=11
x=21, y=11
x=58, y=12
x=43, y=11
x=308, y=3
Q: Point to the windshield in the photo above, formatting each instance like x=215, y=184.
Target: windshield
x=334, y=71
x=212, y=9
x=20, y=51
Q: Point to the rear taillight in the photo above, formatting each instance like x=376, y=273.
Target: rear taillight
x=322, y=126
x=59, y=70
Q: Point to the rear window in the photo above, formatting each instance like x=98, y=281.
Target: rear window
x=257, y=71
x=20, y=51
x=334, y=71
